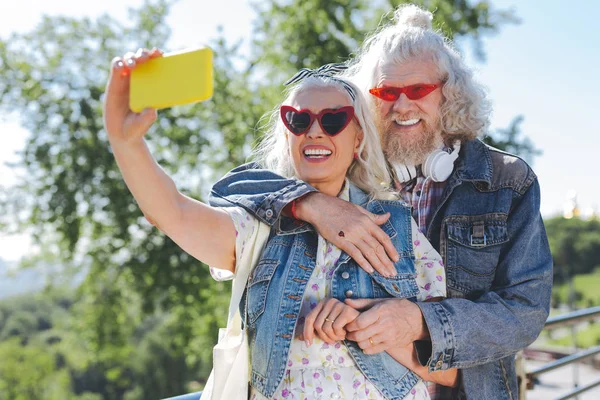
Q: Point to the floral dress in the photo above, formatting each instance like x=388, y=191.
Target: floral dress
x=324, y=371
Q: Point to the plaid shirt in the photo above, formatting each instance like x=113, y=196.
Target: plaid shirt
x=424, y=195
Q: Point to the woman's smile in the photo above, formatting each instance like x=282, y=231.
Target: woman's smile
x=316, y=153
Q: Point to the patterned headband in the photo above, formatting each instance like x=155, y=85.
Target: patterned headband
x=327, y=71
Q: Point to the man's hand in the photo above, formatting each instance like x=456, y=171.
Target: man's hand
x=385, y=324
x=362, y=238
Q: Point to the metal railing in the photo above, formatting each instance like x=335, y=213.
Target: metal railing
x=568, y=319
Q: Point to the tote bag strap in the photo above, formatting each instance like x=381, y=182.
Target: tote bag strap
x=255, y=246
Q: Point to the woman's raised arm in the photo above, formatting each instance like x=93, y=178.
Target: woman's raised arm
x=204, y=232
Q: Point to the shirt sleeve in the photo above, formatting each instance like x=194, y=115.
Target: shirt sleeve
x=244, y=224
x=429, y=267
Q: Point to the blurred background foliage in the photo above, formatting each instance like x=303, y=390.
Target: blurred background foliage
x=125, y=313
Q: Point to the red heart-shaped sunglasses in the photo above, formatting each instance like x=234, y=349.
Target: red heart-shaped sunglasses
x=332, y=121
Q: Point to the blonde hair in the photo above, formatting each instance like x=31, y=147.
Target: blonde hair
x=369, y=171
x=465, y=109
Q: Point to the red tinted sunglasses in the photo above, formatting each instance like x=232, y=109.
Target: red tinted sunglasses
x=413, y=92
x=332, y=121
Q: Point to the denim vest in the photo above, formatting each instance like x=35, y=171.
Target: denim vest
x=276, y=286
x=490, y=233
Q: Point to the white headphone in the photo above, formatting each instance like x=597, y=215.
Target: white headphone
x=437, y=166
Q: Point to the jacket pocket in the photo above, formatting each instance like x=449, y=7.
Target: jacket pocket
x=258, y=286
x=400, y=286
x=473, y=250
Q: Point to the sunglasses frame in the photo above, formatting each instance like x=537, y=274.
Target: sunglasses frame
x=349, y=110
x=397, y=92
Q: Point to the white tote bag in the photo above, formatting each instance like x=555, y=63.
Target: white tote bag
x=230, y=375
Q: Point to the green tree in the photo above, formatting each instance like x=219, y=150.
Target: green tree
x=289, y=35
x=575, y=245
x=511, y=140
x=19, y=324
x=30, y=372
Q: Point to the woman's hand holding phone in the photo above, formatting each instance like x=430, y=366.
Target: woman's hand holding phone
x=148, y=80
x=122, y=124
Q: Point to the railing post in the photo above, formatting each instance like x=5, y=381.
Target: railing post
x=521, y=375
x=527, y=379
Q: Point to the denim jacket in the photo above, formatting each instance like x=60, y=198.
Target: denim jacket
x=491, y=236
x=276, y=286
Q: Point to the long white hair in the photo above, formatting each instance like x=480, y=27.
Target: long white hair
x=465, y=109
x=369, y=171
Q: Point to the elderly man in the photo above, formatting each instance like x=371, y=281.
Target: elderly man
x=478, y=206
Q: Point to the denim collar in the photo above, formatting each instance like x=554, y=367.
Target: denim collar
x=474, y=163
x=357, y=195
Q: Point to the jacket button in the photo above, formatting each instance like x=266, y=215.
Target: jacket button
x=269, y=213
x=349, y=293
x=345, y=275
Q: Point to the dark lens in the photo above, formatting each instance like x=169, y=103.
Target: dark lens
x=389, y=94
x=297, y=122
x=334, y=122
x=416, y=92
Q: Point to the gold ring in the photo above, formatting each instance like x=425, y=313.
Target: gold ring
x=371, y=341
x=330, y=320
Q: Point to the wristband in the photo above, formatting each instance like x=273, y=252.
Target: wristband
x=293, y=209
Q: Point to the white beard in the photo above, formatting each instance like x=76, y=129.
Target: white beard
x=410, y=149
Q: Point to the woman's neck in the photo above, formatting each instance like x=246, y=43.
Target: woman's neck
x=330, y=188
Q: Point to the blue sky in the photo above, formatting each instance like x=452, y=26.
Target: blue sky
x=545, y=68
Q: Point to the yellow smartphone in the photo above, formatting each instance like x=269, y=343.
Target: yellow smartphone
x=176, y=78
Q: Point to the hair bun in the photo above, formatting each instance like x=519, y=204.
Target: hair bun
x=414, y=16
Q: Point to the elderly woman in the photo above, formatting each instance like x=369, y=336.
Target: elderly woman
x=295, y=308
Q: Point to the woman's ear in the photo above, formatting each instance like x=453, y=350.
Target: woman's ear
x=358, y=140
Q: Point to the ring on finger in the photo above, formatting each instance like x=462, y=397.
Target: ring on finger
x=371, y=341
x=330, y=320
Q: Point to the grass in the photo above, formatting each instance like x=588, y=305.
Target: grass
x=586, y=337
x=586, y=287
x=587, y=294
